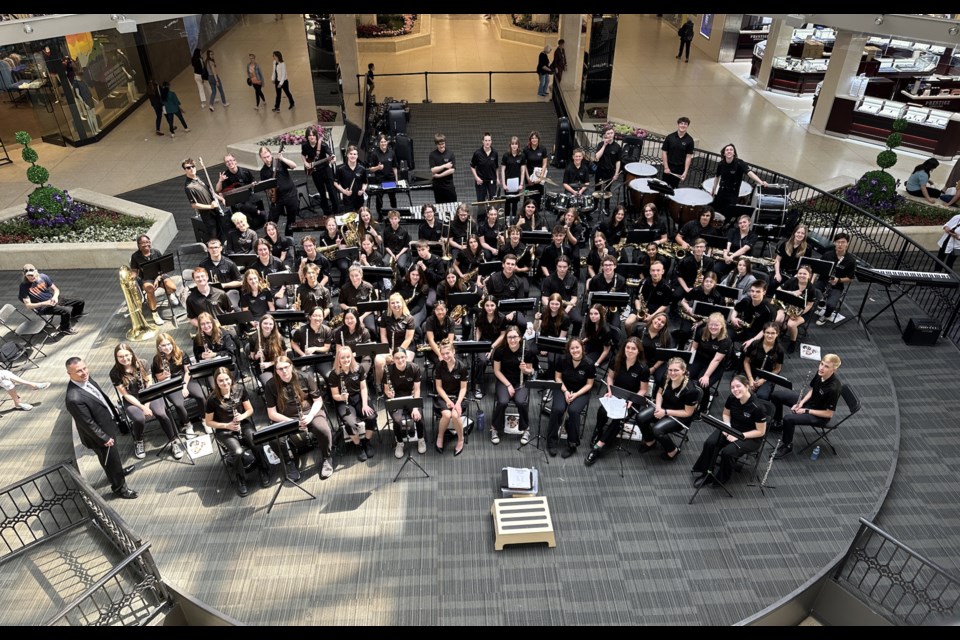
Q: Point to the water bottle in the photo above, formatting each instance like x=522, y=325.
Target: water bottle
x=481, y=420
x=816, y=453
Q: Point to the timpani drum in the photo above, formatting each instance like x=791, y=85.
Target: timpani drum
x=641, y=193
x=687, y=203
x=745, y=189
x=634, y=170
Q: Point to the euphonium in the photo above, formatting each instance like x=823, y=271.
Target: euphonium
x=139, y=330
x=351, y=236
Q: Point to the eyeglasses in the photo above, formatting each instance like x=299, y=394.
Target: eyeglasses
x=29, y=271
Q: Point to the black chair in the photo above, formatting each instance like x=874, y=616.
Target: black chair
x=757, y=455
x=682, y=437
x=823, y=431
x=27, y=330
x=189, y=256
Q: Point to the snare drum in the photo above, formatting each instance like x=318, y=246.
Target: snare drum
x=686, y=204
x=550, y=201
x=641, y=193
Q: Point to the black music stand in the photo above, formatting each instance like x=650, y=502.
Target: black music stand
x=375, y=306
x=725, y=428
x=312, y=360
x=789, y=300
x=159, y=390
x=536, y=237
x=243, y=260
x=289, y=315
x=715, y=242
x=485, y=269
x=159, y=268
x=372, y=349
x=618, y=299
x=701, y=308
x=350, y=254
x=376, y=275
x=636, y=399
x=237, y=317
x=822, y=268
x=630, y=270
x=666, y=354
x=543, y=386
x=407, y=402
x=642, y=237
x=472, y=347
x=283, y=279
x=871, y=277
x=730, y=293
x=272, y=434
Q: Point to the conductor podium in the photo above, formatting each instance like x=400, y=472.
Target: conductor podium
x=522, y=521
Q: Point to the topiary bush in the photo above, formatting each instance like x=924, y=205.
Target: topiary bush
x=47, y=206
x=876, y=192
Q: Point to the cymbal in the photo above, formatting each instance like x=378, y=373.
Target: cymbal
x=519, y=194
x=550, y=182
x=494, y=201
x=602, y=195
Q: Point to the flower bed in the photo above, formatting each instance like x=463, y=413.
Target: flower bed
x=83, y=223
x=394, y=25
x=621, y=130
x=525, y=21
x=296, y=137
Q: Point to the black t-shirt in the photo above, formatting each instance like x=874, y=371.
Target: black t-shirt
x=745, y=417
x=436, y=159
x=257, y=304
x=542, y=61
x=221, y=410
x=607, y=164
x=845, y=268
x=502, y=288
x=342, y=336
x=396, y=239
x=737, y=242
x=534, y=158
x=826, y=394
x=754, y=316
x=306, y=337
x=688, y=268
x=547, y=325
x=789, y=263
x=440, y=331
x=510, y=362
x=313, y=297
x=490, y=330
x=709, y=348
x=403, y=381
x=731, y=174
x=285, y=183
x=426, y=232
x=631, y=378
x=678, y=149
x=133, y=384
x=567, y=288
x=351, y=179
x=573, y=377
x=651, y=344
x=594, y=343
x=486, y=165
x=349, y=380
x=241, y=178
x=271, y=396
x=389, y=160
x=760, y=358
x=450, y=380
x=677, y=399
x=489, y=233
x=513, y=165
x=656, y=295
x=397, y=328
x=575, y=176
x=693, y=230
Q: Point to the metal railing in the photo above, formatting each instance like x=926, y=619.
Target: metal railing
x=38, y=509
x=875, y=243
x=908, y=588
x=426, y=79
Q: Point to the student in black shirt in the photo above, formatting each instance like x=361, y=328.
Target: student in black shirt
x=694, y=229
x=286, y=202
x=415, y=293
x=706, y=292
x=575, y=372
x=351, y=181
x=397, y=329
x=205, y=298
x=511, y=177
x=711, y=346
x=614, y=228
x=212, y=341
x=576, y=176
x=630, y=373
x=844, y=271
x=384, y=169
x=491, y=326
x=564, y=282
x=557, y=248
x=228, y=412
x=673, y=410
x=429, y=229
x=730, y=173
x=311, y=294
x=438, y=329
x=266, y=265
x=766, y=354
x=130, y=376
x=598, y=338
x=348, y=387
x=357, y=290
x=740, y=241
x=489, y=234
x=655, y=334
x=318, y=161
x=552, y=322
x=816, y=407
x=268, y=344
x=280, y=247
x=788, y=256
x=692, y=268
x=236, y=176
x=654, y=296
x=535, y=168
x=677, y=153
x=145, y=253
x=750, y=314
x=608, y=155
x=506, y=285
x=430, y=266
x=396, y=242
x=450, y=379
x=742, y=412
x=442, y=168
x=484, y=165
x=254, y=295
x=401, y=380
x=507, y=370
x=793, y=317
x=222, y=270
x=171, y=362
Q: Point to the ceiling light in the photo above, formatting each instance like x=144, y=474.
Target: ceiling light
x=27, y=28
x=879, y=19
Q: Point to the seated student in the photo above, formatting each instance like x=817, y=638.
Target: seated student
x=130, y=376
x=450, y=377
x=766, y=354
x=576, y=374
x=228, y=412
x=268, y=344
x=512, y=363
x=675, y=407
x=711, y=346
x=401, y=379
x=9, y=381
x=145, y=253
x=816, y=407
x=630, y=373
x=39, y=294
x=801, y=287
x=348, y=387
x=285, y=400
x=750, y=314
x=742, y=412
x=170, y=362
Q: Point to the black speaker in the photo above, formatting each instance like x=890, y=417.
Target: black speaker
x=396, y=122
x=403, y=149
x=564, y=146
x=922, y=332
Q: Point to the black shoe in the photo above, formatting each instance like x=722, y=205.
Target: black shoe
x=666, y=456
x=368, y=447
x=552, y=450
x=783, y=451
x=293, y=473
x=242, y=490
x=593, y=456
x=128, y=470
x=644, y=447
x=126, y=493
x=699, y=479
x=264, y=478
x=699, y=482
x=569, y=451
x=775, y=425
x=792, y=347
x=362, y=455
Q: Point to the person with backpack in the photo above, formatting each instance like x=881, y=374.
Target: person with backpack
x=686, y=37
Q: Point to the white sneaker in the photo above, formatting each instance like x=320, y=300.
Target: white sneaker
x=176, y=450
x=226, y=104
x=525, y=438
x=326, y=470
x=421, y=446
x=398, y=450
x=157, y=320
x=42, y=386
x=207, y=429
x=494, y=436
x=189, y=431
x=478, y=394
x=174, y=300
x=25, y=406
x=138, y=451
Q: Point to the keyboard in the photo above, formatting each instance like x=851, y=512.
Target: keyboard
x=918, y=278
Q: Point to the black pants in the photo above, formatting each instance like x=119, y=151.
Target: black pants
x=521, y=398
x=659, y=430
x=352, y=203
x=379, y=198
x=786, y=398
x=140, y=421
x=68, y=309
x=289, y=205
x=715, y=445
x=215, y=224
x=179, y=117
x=109, y=458
x=285, y=88
x=352, y=417
x=487, y=190
x=444, y=194
x=159, y=112
x=179, y=402
x=397, y=417
x=258, y=92
x=329, y=198
x=320, y=428
x=697, y=369
x=560, y=408
x=231, y=442
x=684, y=44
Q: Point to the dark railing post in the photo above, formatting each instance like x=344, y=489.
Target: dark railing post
x=426, y=88
x=490, y=87
x=359, y=94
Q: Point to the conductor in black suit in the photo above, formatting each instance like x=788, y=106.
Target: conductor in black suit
x=94, y=416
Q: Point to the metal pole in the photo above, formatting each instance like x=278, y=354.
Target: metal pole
x=490, y=87
x=426, y=89
x=359, y=94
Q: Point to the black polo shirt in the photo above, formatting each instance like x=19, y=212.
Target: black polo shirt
x=688, y=267
x=396, y=239
x=630, y=378
x=306, y=337
x=745, y=417
x=490, y=330
x=567, y=288
x=534, y=158
x=257, y=304
x=197, y=192
x=826, y=394
x=396, y=328
x=678, y=399
x=222, y=411
x=737, y=242
x=224, y=271
x=486, y=164
x=846, y=268
x=656, y=295
x=502, y=288
x=754, y=316
x=351, y=179
x=350, y=295
x=607, y=164
x=271, y=396
x=436, y=159
x=389, y=160
x=440, y=331
x=137, y=259
x=576, y=176
x=403, y=381
x=216, y=303
x=731, y=174
x=342, y=336
x=575, y=378
x=693, y=230
x=709, y=348
x=426, y=232
x=347, y=380
x=510, y=362
x=513, y=165
x=678, y=149
x=450, y=380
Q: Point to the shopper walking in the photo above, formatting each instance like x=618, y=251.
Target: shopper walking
x=171, y=105
x=199, y=76
x=279, y=77
x=255, y=80
x=686, y=37
x=213, y=77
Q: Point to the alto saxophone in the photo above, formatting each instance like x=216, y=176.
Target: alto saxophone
x=699, y=279
x=642, y=310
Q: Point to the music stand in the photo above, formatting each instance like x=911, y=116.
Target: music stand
x=517, y=304
x=485, y=269
x=665, y=354
x=372, y=349
x=472, y=347
x=375, y=275
x=715, y=242
x=350, y=254
x=288, y=315
x=610, y=299
x=630, y=270
x=237, y=317
x=542, y=386
x=312, y=360
x=551, y=345
x=731, y=293
x=641, y=237
x=789, y=299
x=272, y=434
x=536, y=237
x=822, y=268
x=243, y=260
x=264, y=185
x=636, y=399
x=159, y=268
x=409, y=403
x=773, y=378
x=727, y=429
x=375, y=306
x=468, y=299
x=283, y=279
x=159, y=390
x=701, y=308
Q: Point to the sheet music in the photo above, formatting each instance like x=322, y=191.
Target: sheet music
x=616, y=408
x=809, y=351
x=519, y=478
x=513, y=185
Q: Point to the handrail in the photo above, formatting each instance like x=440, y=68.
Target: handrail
x=426, y=79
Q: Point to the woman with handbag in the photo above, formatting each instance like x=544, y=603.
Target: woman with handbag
x=255, y=80
x=199, y=75
x=280, y=81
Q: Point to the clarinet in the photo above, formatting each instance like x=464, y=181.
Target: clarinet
x=233, y=400
x=386, y=369
x=523, y=355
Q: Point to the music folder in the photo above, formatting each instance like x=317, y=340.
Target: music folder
x=610, y=298
x=153, y=268
x=275, y=430
x=543, y=384
x=723, y=426
x=822, y=268
x=465, y=298
x=374, y=305
x=770, y=376
x=517, y=304
x=158, y=389
x=701, y=308
x=207, y=367
x=288, y=315
x=666, y=354
x=485, y=269
x=728, y=292
x=642, y=236
x=350, y=254
x=552, y=345
x=472, y=346
x=629, y=396
x=715, y=242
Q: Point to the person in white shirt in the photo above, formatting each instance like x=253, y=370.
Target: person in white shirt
x=280, y=82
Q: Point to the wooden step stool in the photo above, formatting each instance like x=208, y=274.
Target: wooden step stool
x=522, y=521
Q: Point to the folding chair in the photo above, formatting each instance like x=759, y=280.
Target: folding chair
x=823, y=431
x=28, y=331
x=189, y=256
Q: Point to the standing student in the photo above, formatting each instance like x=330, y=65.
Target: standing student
x=370, y=79
x=213, y=77
x=484, y=165
x=255, y=80
x=559, y=63
x=442, y=168
x=280, y=81
x=677, y=153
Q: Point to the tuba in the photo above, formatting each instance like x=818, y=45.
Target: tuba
x=351, y=235
x=139, y=329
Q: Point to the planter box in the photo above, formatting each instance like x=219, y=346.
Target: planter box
x=925, y=236
x=247, y=152
x=88, y=255
x=421, y=36
x=513, y=33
